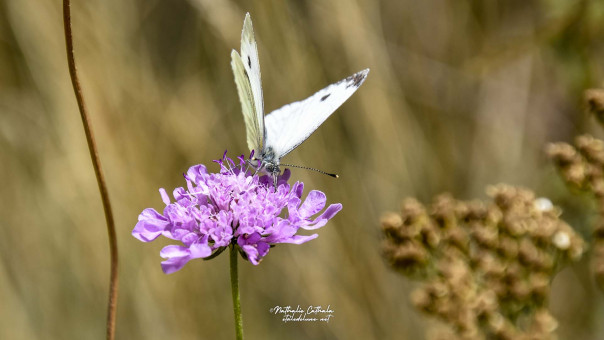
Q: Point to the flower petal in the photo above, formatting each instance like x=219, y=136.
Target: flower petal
x=299, y=239
x=252, y=253
x=150, y=225
x=298, y=189
x=164, y=196
x=198, y=250
x=320, y=221
x=175, y=264
x=315, y=202
x=174, y=251
x=255, y=253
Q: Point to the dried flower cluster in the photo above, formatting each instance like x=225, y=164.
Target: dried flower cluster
x=582, y=167
x=486, y=267
x=594, y=102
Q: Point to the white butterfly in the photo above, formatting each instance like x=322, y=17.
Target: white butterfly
x=282, y=130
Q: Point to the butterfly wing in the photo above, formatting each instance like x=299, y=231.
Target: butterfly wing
x=246, y=69
x=292, y=124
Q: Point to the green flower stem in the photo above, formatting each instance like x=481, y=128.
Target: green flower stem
x=235, y=292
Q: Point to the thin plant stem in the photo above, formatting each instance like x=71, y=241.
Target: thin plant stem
x=235, y=292
x=96, y=163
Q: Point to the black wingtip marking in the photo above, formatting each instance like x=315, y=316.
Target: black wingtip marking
x=325, y=97
x=356, y=79
x=249, y=61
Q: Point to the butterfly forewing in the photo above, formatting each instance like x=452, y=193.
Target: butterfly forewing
x=286, y=128
x=290, y=125
x=246, y=69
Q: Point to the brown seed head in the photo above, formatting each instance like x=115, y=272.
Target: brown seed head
x=483, y=263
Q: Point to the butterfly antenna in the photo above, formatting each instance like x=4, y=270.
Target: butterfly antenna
x=313, y=169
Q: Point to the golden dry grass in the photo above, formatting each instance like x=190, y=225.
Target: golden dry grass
x=461, y=94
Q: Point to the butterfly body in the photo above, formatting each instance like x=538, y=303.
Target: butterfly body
x=273, y=136
x=269, y=162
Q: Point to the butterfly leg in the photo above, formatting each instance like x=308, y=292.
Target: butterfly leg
x=256, y=168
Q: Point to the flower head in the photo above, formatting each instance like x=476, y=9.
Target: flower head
x=233, y=207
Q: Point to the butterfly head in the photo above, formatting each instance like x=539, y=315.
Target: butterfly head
x=268, y=163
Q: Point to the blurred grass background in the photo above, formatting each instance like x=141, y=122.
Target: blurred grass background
x=461, y=94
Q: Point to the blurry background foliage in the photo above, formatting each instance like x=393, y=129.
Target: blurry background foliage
x=461, y=94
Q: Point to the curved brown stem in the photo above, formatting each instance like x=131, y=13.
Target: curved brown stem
x=96, y=163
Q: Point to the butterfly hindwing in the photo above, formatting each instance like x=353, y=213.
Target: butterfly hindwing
x=246, y=69
x=290, y=125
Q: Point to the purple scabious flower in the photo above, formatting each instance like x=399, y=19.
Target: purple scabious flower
x=233, y=207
